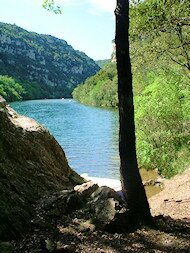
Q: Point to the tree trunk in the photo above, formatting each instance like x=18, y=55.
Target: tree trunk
x=132, y=186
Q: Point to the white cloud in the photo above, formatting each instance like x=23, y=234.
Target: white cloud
x=96, y=5
x=70, y=2
x=103, y=5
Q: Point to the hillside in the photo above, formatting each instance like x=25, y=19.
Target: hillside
x=44, y=66
x=100, y=89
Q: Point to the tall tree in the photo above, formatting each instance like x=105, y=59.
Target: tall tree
x=130, y=177
x=138, y=207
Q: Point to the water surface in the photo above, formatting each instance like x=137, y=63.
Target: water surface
x=88, y=135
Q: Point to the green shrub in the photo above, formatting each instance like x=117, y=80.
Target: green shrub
x=10, y=89
x=162, y=122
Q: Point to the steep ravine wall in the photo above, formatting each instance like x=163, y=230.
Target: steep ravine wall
x=42, y=61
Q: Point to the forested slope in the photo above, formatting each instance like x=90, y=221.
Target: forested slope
x=100, y=89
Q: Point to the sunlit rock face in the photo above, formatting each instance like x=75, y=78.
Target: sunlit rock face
x=32, y=164
x=42, y=62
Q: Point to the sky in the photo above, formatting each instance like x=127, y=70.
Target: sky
x=87, y=25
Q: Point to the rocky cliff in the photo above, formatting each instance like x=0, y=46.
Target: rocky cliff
x=46, y=66
x=32, y=164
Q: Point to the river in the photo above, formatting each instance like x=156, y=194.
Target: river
x=88, y=135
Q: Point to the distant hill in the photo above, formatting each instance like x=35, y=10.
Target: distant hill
x=44, y=66
x=102, y=63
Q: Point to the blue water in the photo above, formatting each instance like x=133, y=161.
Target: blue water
x=88, y=135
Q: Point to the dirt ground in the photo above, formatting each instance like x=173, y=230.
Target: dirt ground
x=171, y=234
x=174, y=200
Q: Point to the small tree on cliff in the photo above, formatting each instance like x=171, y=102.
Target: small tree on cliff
x=138, y=207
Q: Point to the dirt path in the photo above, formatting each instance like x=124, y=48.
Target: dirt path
x=174, y=200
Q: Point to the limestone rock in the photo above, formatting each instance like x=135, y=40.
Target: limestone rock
x=103, y=209
x=86, y=189
x=32, y=164
x=48, y=64
x=107, y=205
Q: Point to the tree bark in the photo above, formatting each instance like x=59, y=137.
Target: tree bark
x=132, y=186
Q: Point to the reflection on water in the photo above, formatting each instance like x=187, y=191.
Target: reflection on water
x=148, y=176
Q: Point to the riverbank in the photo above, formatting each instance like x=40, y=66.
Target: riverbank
x=152, y=182
x=76, y=235
x=171, y=199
